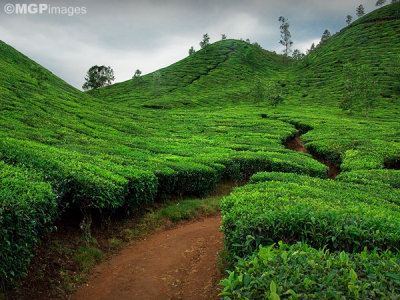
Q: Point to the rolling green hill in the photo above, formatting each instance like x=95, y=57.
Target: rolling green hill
x=372, y=40
x=196, y=122
x=197, y=79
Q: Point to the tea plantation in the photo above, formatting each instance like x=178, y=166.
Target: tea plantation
x=181, y=130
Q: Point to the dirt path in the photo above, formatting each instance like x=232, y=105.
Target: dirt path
x=296, y=144
x=176, y=264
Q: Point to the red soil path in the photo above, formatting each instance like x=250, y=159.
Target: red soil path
x=297, y=145
x=180, y=263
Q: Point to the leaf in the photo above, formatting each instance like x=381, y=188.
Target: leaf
x=272, y=287
x=290, y=292
x=393, y=275
x=274, y=296
x=353, y=275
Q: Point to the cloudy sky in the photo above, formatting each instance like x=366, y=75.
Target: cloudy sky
x=148, y=35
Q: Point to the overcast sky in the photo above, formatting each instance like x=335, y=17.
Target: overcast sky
x=148, y=35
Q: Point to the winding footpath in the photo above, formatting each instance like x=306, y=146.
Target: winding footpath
x=175, y=264
x=180, y=263
x=296, y=144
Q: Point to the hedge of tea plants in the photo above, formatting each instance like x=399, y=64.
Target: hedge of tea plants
x=322, y=213
x=300, y=272
x=28, y=206
x=381, y=176
x=346, y=220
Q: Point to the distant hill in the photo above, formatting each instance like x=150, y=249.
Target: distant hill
x=373, y=40
x=229, y=64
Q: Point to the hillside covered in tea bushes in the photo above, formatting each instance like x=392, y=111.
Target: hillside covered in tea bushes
x=198, y=122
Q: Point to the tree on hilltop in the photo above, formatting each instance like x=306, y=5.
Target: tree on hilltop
x=286, y=37
x=360, y=11
x=205, y=42
x=297, y=55
x=312, y=48
x=98, y=76
x=137, y=77
x=380, y=2
x=223, y=37
x=349, y=19
x=325, y=36
x=137, y=74
x=192, y=51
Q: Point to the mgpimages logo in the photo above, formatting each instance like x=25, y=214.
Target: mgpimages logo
x=42, y=8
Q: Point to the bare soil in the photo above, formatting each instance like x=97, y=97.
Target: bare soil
x=296, y=144
x=180, y=263
x=54, y=272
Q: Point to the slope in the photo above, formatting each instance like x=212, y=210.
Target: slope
x=373, y=40
x=107, y=156
x=197, y=79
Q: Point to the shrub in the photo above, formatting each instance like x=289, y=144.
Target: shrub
x=27, y=208
x=81, y=179
x=187, y=178
x=301, y=272
x=244, y=164
x=292, y=208
x=390, y=177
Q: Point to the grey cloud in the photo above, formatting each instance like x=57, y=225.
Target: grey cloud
x=153, y=34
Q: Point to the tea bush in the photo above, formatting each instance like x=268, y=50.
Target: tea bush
x=390, y=177
x=321, y=213
x=299, y=272
x=28, y=207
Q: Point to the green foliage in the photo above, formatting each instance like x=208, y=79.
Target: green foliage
x=360, y=11
x=390, y=177
x=360, y=91
x=297, y=55
x=137, y=77
x=286, y=37
x=299, y=271
x=28, y=207
x=275, y=93
x=88, y=256
x=98, y=76
x=192, y=51
x=205, y=41
x=349, y=18
x=380, y=2
x=325, y=36
x=259, y=91
x=82, y=179
x=375, y=47
x=321, y=213
x=267, y=92
x=156, y=83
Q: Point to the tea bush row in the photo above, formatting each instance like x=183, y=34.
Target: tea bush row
x=300, y=272
x=28, y=207
x=321, y=213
